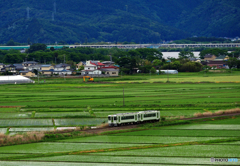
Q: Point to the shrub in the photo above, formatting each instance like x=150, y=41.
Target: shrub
x=199, y=114
x=207, y=113
x=220, y=112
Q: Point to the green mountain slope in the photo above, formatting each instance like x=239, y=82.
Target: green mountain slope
x=137, y=21
x=220, y=18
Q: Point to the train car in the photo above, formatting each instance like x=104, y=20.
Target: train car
x=133, y=118
x=151, y=115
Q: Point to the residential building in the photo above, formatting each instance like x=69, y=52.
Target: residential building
x=33, y=67
x=82, y=63
x=1, y=66
x=27, y=73
x=218, y=64
x=96, y=63
x=10, y=68
x=108, y=63
x=221, y=58
x=47, y=67
x=209, y=57
x=110, y=71
x=62, y=66
x=19, y=67
x=29, y=63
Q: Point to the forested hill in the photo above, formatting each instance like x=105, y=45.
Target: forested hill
x=139, y=21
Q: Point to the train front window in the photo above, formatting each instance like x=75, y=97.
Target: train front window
x=115, y=118
x=109, y=118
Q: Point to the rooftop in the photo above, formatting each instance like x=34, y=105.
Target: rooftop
x=208, y=56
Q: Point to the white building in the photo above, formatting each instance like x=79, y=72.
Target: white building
x=90, y=69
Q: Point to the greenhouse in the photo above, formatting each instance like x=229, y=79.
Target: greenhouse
x=169, y=71
x=15, y=79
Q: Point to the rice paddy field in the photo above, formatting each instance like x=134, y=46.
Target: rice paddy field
x=72, y=103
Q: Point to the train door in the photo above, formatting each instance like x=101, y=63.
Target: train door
x=158, y=114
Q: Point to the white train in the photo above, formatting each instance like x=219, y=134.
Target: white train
x=133, y=118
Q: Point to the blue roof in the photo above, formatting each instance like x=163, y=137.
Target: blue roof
x=45, y=65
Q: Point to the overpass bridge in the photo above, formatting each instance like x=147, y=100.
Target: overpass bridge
x=131, y=46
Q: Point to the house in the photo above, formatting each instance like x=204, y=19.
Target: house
x=29, y=63
x=61, y=72
x=62, y=66
x=218, y=64
x=19, y=67
x=91, y=72
x=90, y=69
x=82, y=63
x=10, y=68
x=221, y=58
x=46, y=67
x=1, y=66
x=96, y=63
x=108, y=63
x=110, y=71
x=192, y=59
x=61, y=69
x=209, y=57
x=27, y=73
x=33, y=67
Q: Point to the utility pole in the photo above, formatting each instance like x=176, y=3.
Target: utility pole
x=28, y=13
x=167, y=76
x=38, y=75
x=52, y=16
x=123, y=97
x=126, y=8
x=54, y=7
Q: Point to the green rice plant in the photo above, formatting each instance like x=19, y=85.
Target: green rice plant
x=219, y=151
x=33, y=114
x=139, y=139
x=129, y=160
x=49, y=147
x=77, y=122
x=205, y=127
x=183, y=133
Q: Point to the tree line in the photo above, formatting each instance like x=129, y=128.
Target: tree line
x=143, y=59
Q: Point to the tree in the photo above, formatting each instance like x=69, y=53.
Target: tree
x=153, y=70
x=232, y=62
x=80, y=68
x=52, y=49
x=186, y=54
x=10, y=43
x=37, y=47
x=127, y=64
x=35, y=71
x=191, y=67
